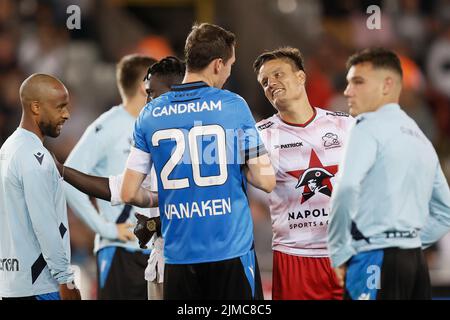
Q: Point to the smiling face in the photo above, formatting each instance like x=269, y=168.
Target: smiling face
x=281, y=82
x=54, y=111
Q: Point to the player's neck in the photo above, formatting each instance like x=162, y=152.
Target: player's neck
x=133, y=106
x=299, y=112
x=197, y=76
x=30, y=125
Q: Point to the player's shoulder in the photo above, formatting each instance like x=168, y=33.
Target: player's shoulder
x=333, y=114
x=340, y=118
x=227, y=95
x=32, y=156
x=267, y=123
x=369, y=123
x=26, y=153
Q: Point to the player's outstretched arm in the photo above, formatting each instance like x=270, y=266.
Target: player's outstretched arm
x=132, y=192
x=97, y=187
x=260, y=173
x=93, y=186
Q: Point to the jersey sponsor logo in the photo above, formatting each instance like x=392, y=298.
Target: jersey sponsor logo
x=39, y=157
x=315, y=179
x=266, y=125
x=338, y=114
x=307, y=213
x=180, y=108
x=201, y=209
x=98, y=128
x=289, y=145
x=331, y=140
x=9, y=264
x=359, y=120
x=401, y=234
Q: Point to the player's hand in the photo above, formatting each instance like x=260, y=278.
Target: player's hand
x=146, y=228
x=340, y=272
x=123, y=232
x=68, y=291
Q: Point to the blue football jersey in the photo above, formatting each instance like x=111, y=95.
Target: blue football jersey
x=199, y=138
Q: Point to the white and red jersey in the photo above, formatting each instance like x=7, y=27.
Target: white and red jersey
x=305, y=158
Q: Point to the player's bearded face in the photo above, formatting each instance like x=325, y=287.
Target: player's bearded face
x=54, y=114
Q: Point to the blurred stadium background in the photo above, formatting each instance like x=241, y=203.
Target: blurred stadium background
x=34, y=38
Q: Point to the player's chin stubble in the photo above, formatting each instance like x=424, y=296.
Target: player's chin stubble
x=49, y=129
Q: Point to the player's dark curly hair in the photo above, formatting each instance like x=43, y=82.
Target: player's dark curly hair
x=169, y=67
x=378, y=57
x=291, y=54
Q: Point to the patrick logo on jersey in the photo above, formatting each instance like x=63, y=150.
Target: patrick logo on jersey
x=315, y=179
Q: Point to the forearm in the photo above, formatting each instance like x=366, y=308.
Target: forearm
x=260, y=174
x=144, y=199
x=94, y=186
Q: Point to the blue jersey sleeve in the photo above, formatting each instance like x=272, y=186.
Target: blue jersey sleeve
x=250, y=142
x=139, y=133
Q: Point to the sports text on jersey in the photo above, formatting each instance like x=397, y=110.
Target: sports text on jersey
x=200, y=209
x=306, y=214
x=180, y=108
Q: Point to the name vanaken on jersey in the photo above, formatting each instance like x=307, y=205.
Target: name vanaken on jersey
x=187, y=210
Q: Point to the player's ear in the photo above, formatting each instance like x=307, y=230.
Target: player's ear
x=301, y=75
x=35, y=107
x=141, y=88
x=388, y=85
x=217, y=65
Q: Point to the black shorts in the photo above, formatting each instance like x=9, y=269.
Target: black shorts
x=120, y=274
x=388, y=274
x=39, y=297
x=236, y=278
